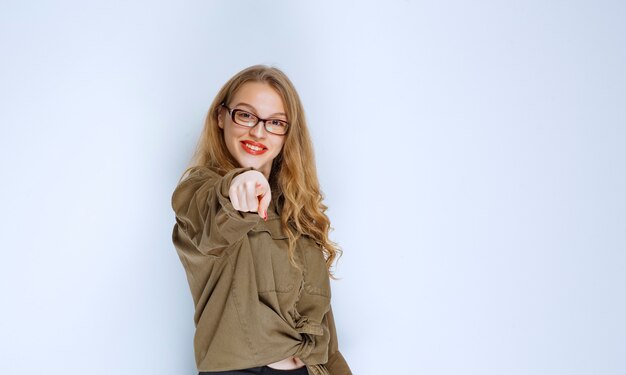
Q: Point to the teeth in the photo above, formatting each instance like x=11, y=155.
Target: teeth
x=255, y=148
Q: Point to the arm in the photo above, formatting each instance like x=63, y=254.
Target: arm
x=336, y=364
x=205, y=214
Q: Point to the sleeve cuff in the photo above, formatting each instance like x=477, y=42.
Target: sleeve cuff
x=337, y=364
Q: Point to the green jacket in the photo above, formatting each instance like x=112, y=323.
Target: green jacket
x=252, y=307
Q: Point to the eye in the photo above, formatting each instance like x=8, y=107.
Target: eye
x=276, y=123
x=244, y=116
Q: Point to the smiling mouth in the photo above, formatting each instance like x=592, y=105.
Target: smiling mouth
x=253, y=149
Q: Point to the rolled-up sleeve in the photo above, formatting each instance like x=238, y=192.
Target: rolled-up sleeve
x=204, y=212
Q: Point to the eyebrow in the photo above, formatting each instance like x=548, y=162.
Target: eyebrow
x=254, y=109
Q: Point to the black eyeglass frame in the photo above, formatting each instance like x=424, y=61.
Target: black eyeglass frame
x=232, y=111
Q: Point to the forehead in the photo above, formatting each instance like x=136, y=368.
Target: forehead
x=260, y=95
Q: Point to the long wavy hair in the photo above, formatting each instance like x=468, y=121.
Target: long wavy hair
x=293, y=177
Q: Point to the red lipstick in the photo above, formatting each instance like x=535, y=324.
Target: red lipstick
x=252, y=143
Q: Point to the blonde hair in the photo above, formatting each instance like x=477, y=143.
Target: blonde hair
x=293, y=174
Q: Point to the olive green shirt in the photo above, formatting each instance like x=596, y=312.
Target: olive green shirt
x=252, y=307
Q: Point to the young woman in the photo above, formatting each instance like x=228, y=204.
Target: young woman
x=252, y=236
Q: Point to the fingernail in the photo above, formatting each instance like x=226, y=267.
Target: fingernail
x=265, y=215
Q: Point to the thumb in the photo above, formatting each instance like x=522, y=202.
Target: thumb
x=264, y=202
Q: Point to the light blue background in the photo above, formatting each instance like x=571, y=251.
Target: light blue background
x=472, y=155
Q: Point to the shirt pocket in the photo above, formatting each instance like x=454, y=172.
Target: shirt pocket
x=317, y=281
x=269, y=245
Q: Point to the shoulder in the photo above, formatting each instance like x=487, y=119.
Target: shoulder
x=312, y=252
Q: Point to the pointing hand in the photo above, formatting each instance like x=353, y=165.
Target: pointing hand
x=250, y=192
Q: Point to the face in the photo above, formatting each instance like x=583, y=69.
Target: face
x=263, y=101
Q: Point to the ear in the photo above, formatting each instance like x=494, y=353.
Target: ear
x=220, y=118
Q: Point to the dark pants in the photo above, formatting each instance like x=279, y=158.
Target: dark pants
x=261, y=370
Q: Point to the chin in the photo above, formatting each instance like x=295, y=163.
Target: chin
x=246, y=164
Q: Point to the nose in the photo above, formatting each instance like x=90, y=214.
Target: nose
x=258, y=130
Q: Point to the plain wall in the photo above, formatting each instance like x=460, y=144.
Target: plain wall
x=472, y=155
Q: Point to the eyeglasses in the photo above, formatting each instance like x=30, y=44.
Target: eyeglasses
x=250, y=120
